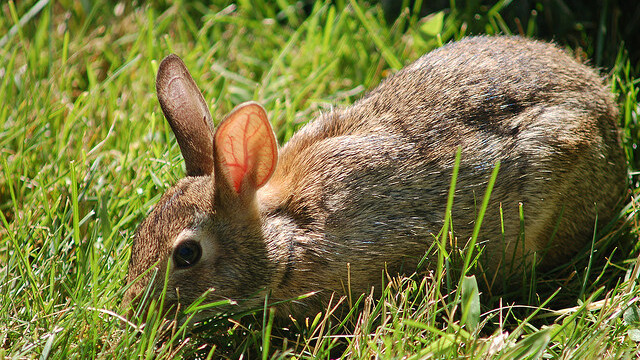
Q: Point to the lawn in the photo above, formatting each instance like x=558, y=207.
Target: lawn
x=85, y=153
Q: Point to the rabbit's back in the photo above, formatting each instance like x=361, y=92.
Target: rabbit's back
x=371, y=181
x=493, y=86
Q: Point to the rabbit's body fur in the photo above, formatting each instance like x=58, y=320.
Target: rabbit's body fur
x=365, y=188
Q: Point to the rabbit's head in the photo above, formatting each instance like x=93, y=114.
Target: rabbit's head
x=204, y=234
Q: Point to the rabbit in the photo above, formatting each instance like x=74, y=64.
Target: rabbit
x=363, y=189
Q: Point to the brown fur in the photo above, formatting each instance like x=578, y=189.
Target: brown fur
x=367, y=185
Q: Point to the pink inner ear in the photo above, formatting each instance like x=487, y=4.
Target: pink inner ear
x=247, y=146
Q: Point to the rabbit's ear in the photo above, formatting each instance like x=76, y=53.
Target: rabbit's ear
x=246, y=152
x=187, y=113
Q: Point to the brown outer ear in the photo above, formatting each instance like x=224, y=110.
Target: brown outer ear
x=187, y=112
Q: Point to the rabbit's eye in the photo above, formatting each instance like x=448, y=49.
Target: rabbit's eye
x=187, y=254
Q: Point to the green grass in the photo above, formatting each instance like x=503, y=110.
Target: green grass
x=85, y=153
